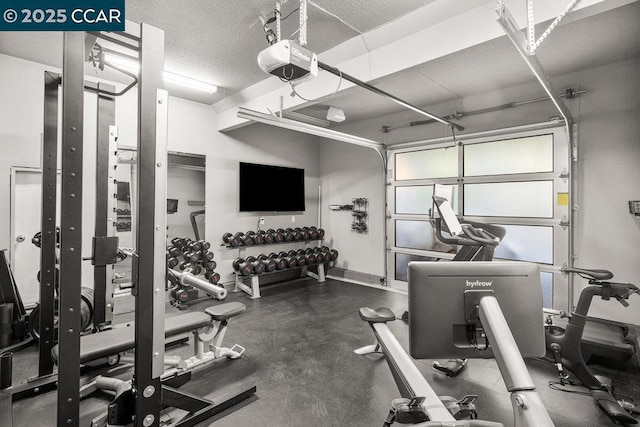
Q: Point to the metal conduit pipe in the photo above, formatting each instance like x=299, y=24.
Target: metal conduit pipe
x=394, y=98
x=569, y=94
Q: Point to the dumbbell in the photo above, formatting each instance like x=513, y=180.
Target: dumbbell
x=269, y=263
x=178, y=242
x=206, y=255
x=244, y=240
x=173, y=262
x=326, y=256
x=282, y=254
x=268, y=237
x=301, y=252
x=210, y=265
x=281, y=263
x=196, y=269
x=292, y=253
x=334, y=254
x=174, y=251
x=313, y=232
x=277, y=235
x=243, y=267
x=205, y=245
x=191, y=256
x=195, y=246
x=257, y=239
x=311, y=250
x=320, y=234
x=231, y=240
x=297, y=233
x=304, y=233
x=310, y=259
x=257, y=264
x=212, y=277
x=287, y=234
x=292, y=261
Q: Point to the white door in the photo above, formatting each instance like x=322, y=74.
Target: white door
x=26, y=201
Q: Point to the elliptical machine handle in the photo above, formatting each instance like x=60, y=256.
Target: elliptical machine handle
x=479, y=235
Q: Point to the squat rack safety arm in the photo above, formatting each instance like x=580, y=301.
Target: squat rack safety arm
x=394, y=98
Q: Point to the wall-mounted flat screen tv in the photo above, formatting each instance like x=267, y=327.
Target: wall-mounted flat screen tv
x=265, y=188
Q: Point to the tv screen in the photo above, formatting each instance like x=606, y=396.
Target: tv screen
x=265, y=188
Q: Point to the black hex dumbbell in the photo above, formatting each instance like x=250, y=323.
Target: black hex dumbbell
x=304, y=233
x=310, y=259
x=313, y=233
x=258, y=238
x=269, y=263
x=320, y=233
x=281, y=263
x=210, y=265
x=212, y=276
x=292, y=261
x=278, y=237
x=302, y=260
x=334, y=254
x=257, y=264
x=287, y=234
x=243, y=267
x=231, y=240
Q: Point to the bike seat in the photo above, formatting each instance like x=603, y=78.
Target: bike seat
x=595, y=274
x=379, y=315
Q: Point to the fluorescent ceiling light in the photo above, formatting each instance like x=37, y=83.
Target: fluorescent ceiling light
x=294, y=115
x=256, y=116
x=134, y=66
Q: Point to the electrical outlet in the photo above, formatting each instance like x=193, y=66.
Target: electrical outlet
x=262, y=220
x=293, y=218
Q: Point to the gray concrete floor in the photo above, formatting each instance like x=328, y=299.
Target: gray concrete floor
x=300, y=338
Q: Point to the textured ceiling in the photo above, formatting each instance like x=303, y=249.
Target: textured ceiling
x=605, y=38
x=219, y=40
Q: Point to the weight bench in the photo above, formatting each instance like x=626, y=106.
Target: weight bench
x=208, y=328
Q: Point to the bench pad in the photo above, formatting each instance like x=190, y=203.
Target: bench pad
x=379, y=315
x=225, y=311
x=118, y=340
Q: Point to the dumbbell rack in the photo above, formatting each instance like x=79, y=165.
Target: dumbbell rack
x=254, y=290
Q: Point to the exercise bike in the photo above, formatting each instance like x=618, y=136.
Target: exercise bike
x=564, y=344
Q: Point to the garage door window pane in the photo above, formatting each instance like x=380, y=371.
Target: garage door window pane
x=420, y=235
x=526, y=243
x=402, y=261
x=414, y=199
x=427, y=164
x=520, y=155
x=417, y=199
x=532, y=199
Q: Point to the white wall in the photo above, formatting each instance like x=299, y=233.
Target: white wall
x=264, y=144
x=607, y=236
x=349, y=172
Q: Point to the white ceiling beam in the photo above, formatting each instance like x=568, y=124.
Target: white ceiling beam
x=456, y=29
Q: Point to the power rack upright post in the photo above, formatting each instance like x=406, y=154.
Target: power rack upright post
x=149, y=272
